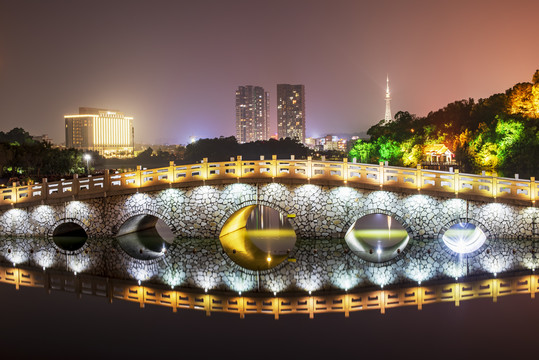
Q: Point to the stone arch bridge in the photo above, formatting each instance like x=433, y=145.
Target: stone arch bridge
x=321, y=198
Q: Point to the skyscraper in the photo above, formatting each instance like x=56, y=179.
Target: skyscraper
x=108, y=132
x=291, y=111
x=388, y=105
x=252, y=114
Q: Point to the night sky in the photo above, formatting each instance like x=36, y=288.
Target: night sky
x=61, y=326
x=175, y=65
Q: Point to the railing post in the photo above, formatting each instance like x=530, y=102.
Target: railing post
x=174, y=298
x=44, y=189
x=106, y=182
x=532, y=286
x=142, y=295
x=381, y=173
x=17, y=278
x=46, y=282
x=457, y=182
x=14, y=192
x=139, y=175
x=241, y=307
x=274, y=160
x=309, y=169
x=494, y=189
x=171, y=171
x=75, y=185
x=207, y=304
x=276, y=304
x=533, y=189
x=205, y=172
x=418, y=177
x=239, y=164
x=382, y=302
x=345, y=169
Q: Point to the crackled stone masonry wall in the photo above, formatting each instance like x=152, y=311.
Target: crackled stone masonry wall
x=320, y=211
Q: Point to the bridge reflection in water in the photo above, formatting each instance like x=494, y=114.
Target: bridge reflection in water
x=265, y=303
x=257, y=266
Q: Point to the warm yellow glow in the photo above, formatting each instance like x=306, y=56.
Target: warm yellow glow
x=109, y=131
x=524, y=99
x=112, y=132
x=238, y=243
x=79, y=116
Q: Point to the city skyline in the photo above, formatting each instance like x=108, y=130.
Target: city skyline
x=183, y=57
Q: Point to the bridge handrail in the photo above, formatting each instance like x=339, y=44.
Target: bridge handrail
x=442, y=182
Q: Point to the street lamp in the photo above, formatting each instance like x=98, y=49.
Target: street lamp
x=87, y=157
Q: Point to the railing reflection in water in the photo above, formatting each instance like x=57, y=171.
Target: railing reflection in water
x=264, y=303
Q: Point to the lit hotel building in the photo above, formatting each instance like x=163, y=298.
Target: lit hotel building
x=291, y=111
x=108, y=132
x=252, y=114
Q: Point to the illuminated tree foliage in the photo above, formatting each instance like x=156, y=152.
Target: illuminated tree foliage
x=499, y=133
x=364, y=151
x=523, y=98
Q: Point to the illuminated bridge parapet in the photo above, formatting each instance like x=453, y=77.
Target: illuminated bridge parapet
x=446, y=184
x=269, y=304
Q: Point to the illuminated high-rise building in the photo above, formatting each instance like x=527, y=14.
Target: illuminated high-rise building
x=291, y=111
x=109, y=132
x=252, y=114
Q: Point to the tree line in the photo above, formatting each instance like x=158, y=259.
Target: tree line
x=22, y=158
x=26, y=160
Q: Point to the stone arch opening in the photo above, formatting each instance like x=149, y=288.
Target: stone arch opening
x=69, y=236
x=463, y=237
x=257, y=237
x=144, y=237
x=377, y=237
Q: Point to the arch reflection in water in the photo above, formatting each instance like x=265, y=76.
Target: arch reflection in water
x=464, y=238
x=145, y=237
x=377, y=238
x=257, y=237
x=69, y=236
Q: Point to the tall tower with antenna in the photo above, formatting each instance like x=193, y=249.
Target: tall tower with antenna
x=388, y=103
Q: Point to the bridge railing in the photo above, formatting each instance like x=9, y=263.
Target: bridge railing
x=441, y=182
